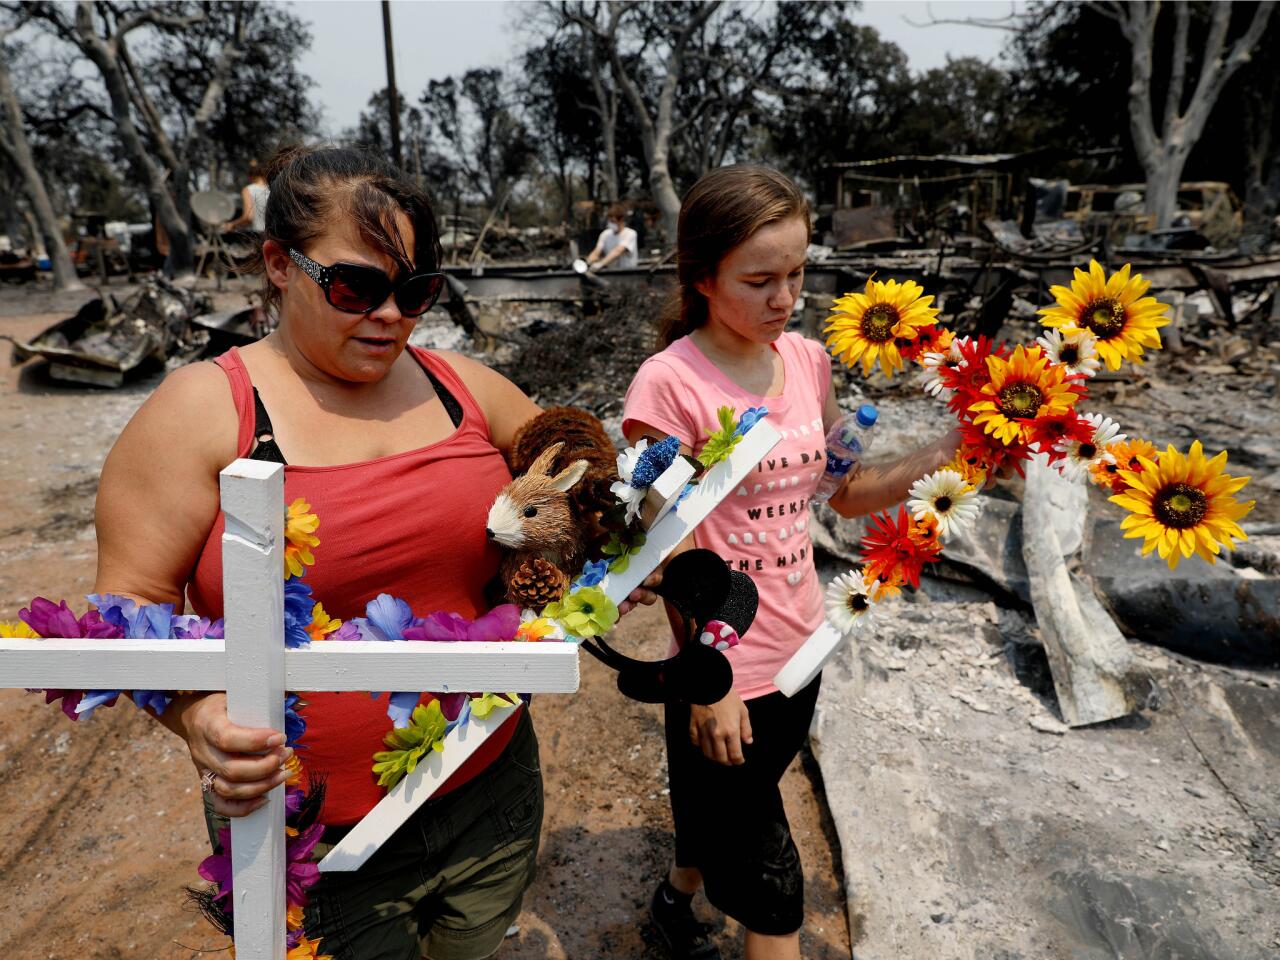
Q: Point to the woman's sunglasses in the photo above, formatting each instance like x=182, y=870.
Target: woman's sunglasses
x=353, y=288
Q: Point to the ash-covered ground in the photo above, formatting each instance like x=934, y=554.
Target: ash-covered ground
x=945, y=810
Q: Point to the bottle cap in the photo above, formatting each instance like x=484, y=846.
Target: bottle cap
x=867, y=415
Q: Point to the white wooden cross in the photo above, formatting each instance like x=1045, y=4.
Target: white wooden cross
x=255, y=669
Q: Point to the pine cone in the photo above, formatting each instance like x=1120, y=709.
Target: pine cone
x=536, y=583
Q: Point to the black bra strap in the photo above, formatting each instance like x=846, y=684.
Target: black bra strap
x=451, y=404
x=265, y=446
x=264, y=435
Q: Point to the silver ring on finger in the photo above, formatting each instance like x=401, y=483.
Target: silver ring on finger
x=206, y=781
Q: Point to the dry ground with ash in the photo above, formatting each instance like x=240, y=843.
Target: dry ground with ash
x=101, y=820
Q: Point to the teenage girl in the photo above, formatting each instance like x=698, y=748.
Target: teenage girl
x=743, y=234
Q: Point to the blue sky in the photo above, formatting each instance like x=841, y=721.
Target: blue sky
x=437, y=38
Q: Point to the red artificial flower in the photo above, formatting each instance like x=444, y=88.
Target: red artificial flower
x=986, y=451
x=1067, y=425
x=891, y=549
x=931, y=339
x=966, y=378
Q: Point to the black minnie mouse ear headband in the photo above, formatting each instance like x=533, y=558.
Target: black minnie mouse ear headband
x=717, y=605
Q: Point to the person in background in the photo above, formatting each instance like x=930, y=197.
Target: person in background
x=740, y=255
x=253, y=203
x=618, y=243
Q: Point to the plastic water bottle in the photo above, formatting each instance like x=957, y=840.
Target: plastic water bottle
x=847, y=440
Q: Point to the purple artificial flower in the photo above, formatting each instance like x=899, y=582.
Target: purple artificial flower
x=349, y=630
x=301, y=873
x=191, y=627
x=216, y=868
x=439, y=626
x=294, y=797
x=70, y=700
x=56, y=620
x=453, y=704
x=500, y=623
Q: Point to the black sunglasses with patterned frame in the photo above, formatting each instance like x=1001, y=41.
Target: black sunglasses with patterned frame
x=356, y=288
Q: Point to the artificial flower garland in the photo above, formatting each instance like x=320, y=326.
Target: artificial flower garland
x=1013, y=402
x=585, y=611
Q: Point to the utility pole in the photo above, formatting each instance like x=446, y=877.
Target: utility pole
x=393, y=98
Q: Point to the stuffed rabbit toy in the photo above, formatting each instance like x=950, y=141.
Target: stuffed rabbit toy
x=534, y=520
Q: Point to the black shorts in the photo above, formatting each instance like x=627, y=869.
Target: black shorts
x=730, y=823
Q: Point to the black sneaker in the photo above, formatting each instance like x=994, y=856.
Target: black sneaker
x=686, y=937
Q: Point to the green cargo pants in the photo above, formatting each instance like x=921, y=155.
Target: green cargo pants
x=450, y=881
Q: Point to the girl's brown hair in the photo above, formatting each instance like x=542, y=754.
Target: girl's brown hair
x=724, y=209
x=312, y=186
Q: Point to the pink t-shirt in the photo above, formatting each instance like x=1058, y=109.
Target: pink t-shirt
x=762, y=528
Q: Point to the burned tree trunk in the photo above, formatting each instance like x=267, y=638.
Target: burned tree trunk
x=14, y=145
x=657, y=127
x=165, y=169
x=1088, y=656
x=1163, y=153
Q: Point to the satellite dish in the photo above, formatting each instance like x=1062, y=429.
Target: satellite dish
x=213, y=207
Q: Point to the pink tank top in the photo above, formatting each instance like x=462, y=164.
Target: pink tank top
x=410, y=524
x=762, y=528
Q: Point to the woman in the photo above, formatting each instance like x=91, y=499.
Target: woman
x=253, y=203
x=400, y=452
x=743, y=235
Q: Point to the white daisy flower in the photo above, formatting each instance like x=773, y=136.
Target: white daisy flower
x=945, y=496
x=1076, y=351
x=931, y=378
x=851, y=603
x=1079, y=455
x=622, y=489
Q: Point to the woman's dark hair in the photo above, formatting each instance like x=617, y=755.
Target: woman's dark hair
x=313, y=186
x=724, y=209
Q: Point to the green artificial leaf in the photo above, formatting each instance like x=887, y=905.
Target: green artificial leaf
x=409, y=744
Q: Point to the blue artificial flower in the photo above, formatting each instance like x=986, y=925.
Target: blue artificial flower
x=592, y=573
x=294, y=725
x=463, y=717
x=93, y=699
x=749, y=419
x=298, y=605
x=157, y=700
x=139, y=621
x=387, y=618
x=400, y=708
x=653, y=460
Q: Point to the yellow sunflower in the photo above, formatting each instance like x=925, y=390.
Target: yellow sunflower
x=1183, y=504
x=863, y=326
x=1022, y=388
x=1114, y=310
x=17, y=630
x=300, y=526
